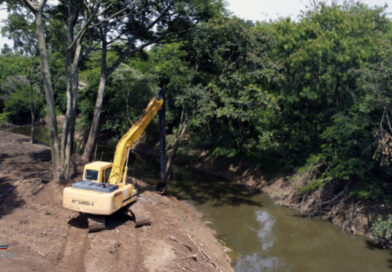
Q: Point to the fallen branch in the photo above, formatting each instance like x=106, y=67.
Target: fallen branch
x=193, y=257
x=202, y=251
x=172, y=238
x=30, y=180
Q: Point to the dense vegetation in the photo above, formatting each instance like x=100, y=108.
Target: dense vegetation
x=285, y=96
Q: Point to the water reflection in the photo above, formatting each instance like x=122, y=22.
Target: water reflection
x=265, y=232
x=257, y=261
x=270, y=238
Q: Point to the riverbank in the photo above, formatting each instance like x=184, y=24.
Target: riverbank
x=263, y=235
x=329, y=202
x=42, y=236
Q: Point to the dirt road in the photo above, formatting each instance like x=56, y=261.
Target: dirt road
x=42, y=236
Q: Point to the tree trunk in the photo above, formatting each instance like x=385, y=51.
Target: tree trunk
x=162, y=135
x=32, y=113
x=173, y=151
x=70, y=117
x=72, y=78
x=164, y=182
x=88, y=150
x=52, y=123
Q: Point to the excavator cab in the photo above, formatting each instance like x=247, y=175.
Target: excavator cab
x=98, y=171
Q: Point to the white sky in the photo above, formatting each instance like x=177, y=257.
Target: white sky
x=265, y=10
x=255, y=10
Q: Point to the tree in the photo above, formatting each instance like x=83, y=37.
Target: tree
x=77, y=28
x=23, y=100
x=33, y=81
x=37, y=9
x=229, y=58
x=328, y=95
x=75, y=35
x=210, y=81
x=161, y=21
x=19, y=28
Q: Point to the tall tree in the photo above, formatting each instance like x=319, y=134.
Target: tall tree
x=37, y=9
x=19, y=28
x=77, y=27
x=78, y=16
x=142, y=23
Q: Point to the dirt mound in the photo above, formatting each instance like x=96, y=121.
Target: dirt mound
x=42, y=236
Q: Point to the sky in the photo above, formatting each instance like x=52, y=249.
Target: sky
x=255, y=10
x=265, y=10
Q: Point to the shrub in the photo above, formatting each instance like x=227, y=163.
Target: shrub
x=382, y=230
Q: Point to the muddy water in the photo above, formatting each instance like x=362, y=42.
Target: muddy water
x=262, y=236
x=269, y=238
x=265, y=237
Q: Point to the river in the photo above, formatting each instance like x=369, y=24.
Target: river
x=261, y=235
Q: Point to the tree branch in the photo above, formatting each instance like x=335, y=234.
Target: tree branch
x=42, y=4
x=82, y=31
x=113, y=15
x=128, y=51
x=32, y=5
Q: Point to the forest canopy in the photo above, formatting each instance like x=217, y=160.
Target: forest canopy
x=281, y=96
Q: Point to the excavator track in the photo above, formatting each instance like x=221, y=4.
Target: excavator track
x=139, y=214
x=95, y=222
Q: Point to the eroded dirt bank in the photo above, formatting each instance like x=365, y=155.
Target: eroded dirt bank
x=42, y=236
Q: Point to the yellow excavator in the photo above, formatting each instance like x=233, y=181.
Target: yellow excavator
x=104, y=189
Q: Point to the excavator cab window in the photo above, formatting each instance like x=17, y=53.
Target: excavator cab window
x=91, y=175
x=106, y=174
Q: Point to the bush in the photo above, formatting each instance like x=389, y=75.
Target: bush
x=3, y=118
x=382, y=230
x=17, y=107
x=17, y=104
x=18, y=111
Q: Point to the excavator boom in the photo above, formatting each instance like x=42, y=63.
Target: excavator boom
x=128, y=140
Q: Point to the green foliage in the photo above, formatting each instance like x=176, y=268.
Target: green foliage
x=11, y=65
x=307, y=94
x=19, y=27
x=17, y=106
x=312, y=186
x=15, y=89
x=3, y=118
x=310, y=96
x=369, y=191
x=382, y=230
x=127, y=94
x=228, y=59
x=329, y=94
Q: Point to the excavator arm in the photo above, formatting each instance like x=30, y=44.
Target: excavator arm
x=128, y=140
x=94, y=197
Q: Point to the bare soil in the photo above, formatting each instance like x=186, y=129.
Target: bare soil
x=43, y=236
